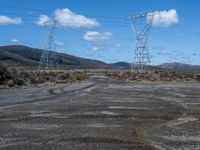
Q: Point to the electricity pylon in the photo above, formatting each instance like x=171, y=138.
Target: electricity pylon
x=141, y=25
x=47, y=60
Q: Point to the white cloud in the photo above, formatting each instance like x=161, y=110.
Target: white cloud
x=14, y=40
x=95, y=48
x=96, y=36
x=164, y=18
x=119, y=46
x=67, y=18
x=4, y=20
x=43, y=20
x=59, y=43
x=164, y=52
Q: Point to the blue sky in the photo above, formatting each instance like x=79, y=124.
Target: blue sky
x=103, y=32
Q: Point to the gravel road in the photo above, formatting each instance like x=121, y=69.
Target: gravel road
x=101, y=115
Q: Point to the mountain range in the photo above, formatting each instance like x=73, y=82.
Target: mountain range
x=23, y=56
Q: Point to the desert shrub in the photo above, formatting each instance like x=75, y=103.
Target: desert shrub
x=156, y=72
x=128, y=73
x=11, y=83
x=81, y=77
x=20, y=82
x=197, y=77
x=25, y=74
x=178, y=75
x=3, y=70
x=164, y=74
x=63, y=76
x=4, y=74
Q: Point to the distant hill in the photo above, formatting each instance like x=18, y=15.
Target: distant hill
x=23, y=56
x=180, y=67
x=166, y=66
x=122, y=65
x=125, y=65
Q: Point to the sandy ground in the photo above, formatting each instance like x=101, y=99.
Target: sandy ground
x=101, y=115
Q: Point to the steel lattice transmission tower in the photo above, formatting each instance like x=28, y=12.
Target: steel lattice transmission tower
x=141, y=25
x=47, y=60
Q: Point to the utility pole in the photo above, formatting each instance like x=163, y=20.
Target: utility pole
x=141, y=24
x=47, y=61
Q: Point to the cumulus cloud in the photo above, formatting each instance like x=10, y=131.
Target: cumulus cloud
x=67, y=18
x=43, y=20
x=14, y=40
x=4, y=20
x=164, y=18
x=97, y=36
x=59, y=43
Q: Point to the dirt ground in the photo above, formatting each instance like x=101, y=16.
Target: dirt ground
x=101, y=115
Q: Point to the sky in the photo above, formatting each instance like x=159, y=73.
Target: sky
x=101, y=30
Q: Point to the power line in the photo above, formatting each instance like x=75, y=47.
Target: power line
x=172, y=34
x=50, y=11
x=108, y=21
x=184, y=41
x=22, y=8
x=118, y=23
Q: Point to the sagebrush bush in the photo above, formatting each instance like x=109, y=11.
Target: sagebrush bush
x=4, y=74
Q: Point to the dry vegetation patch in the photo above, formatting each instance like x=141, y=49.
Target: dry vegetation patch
x=157, y=75
x=14, y=77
